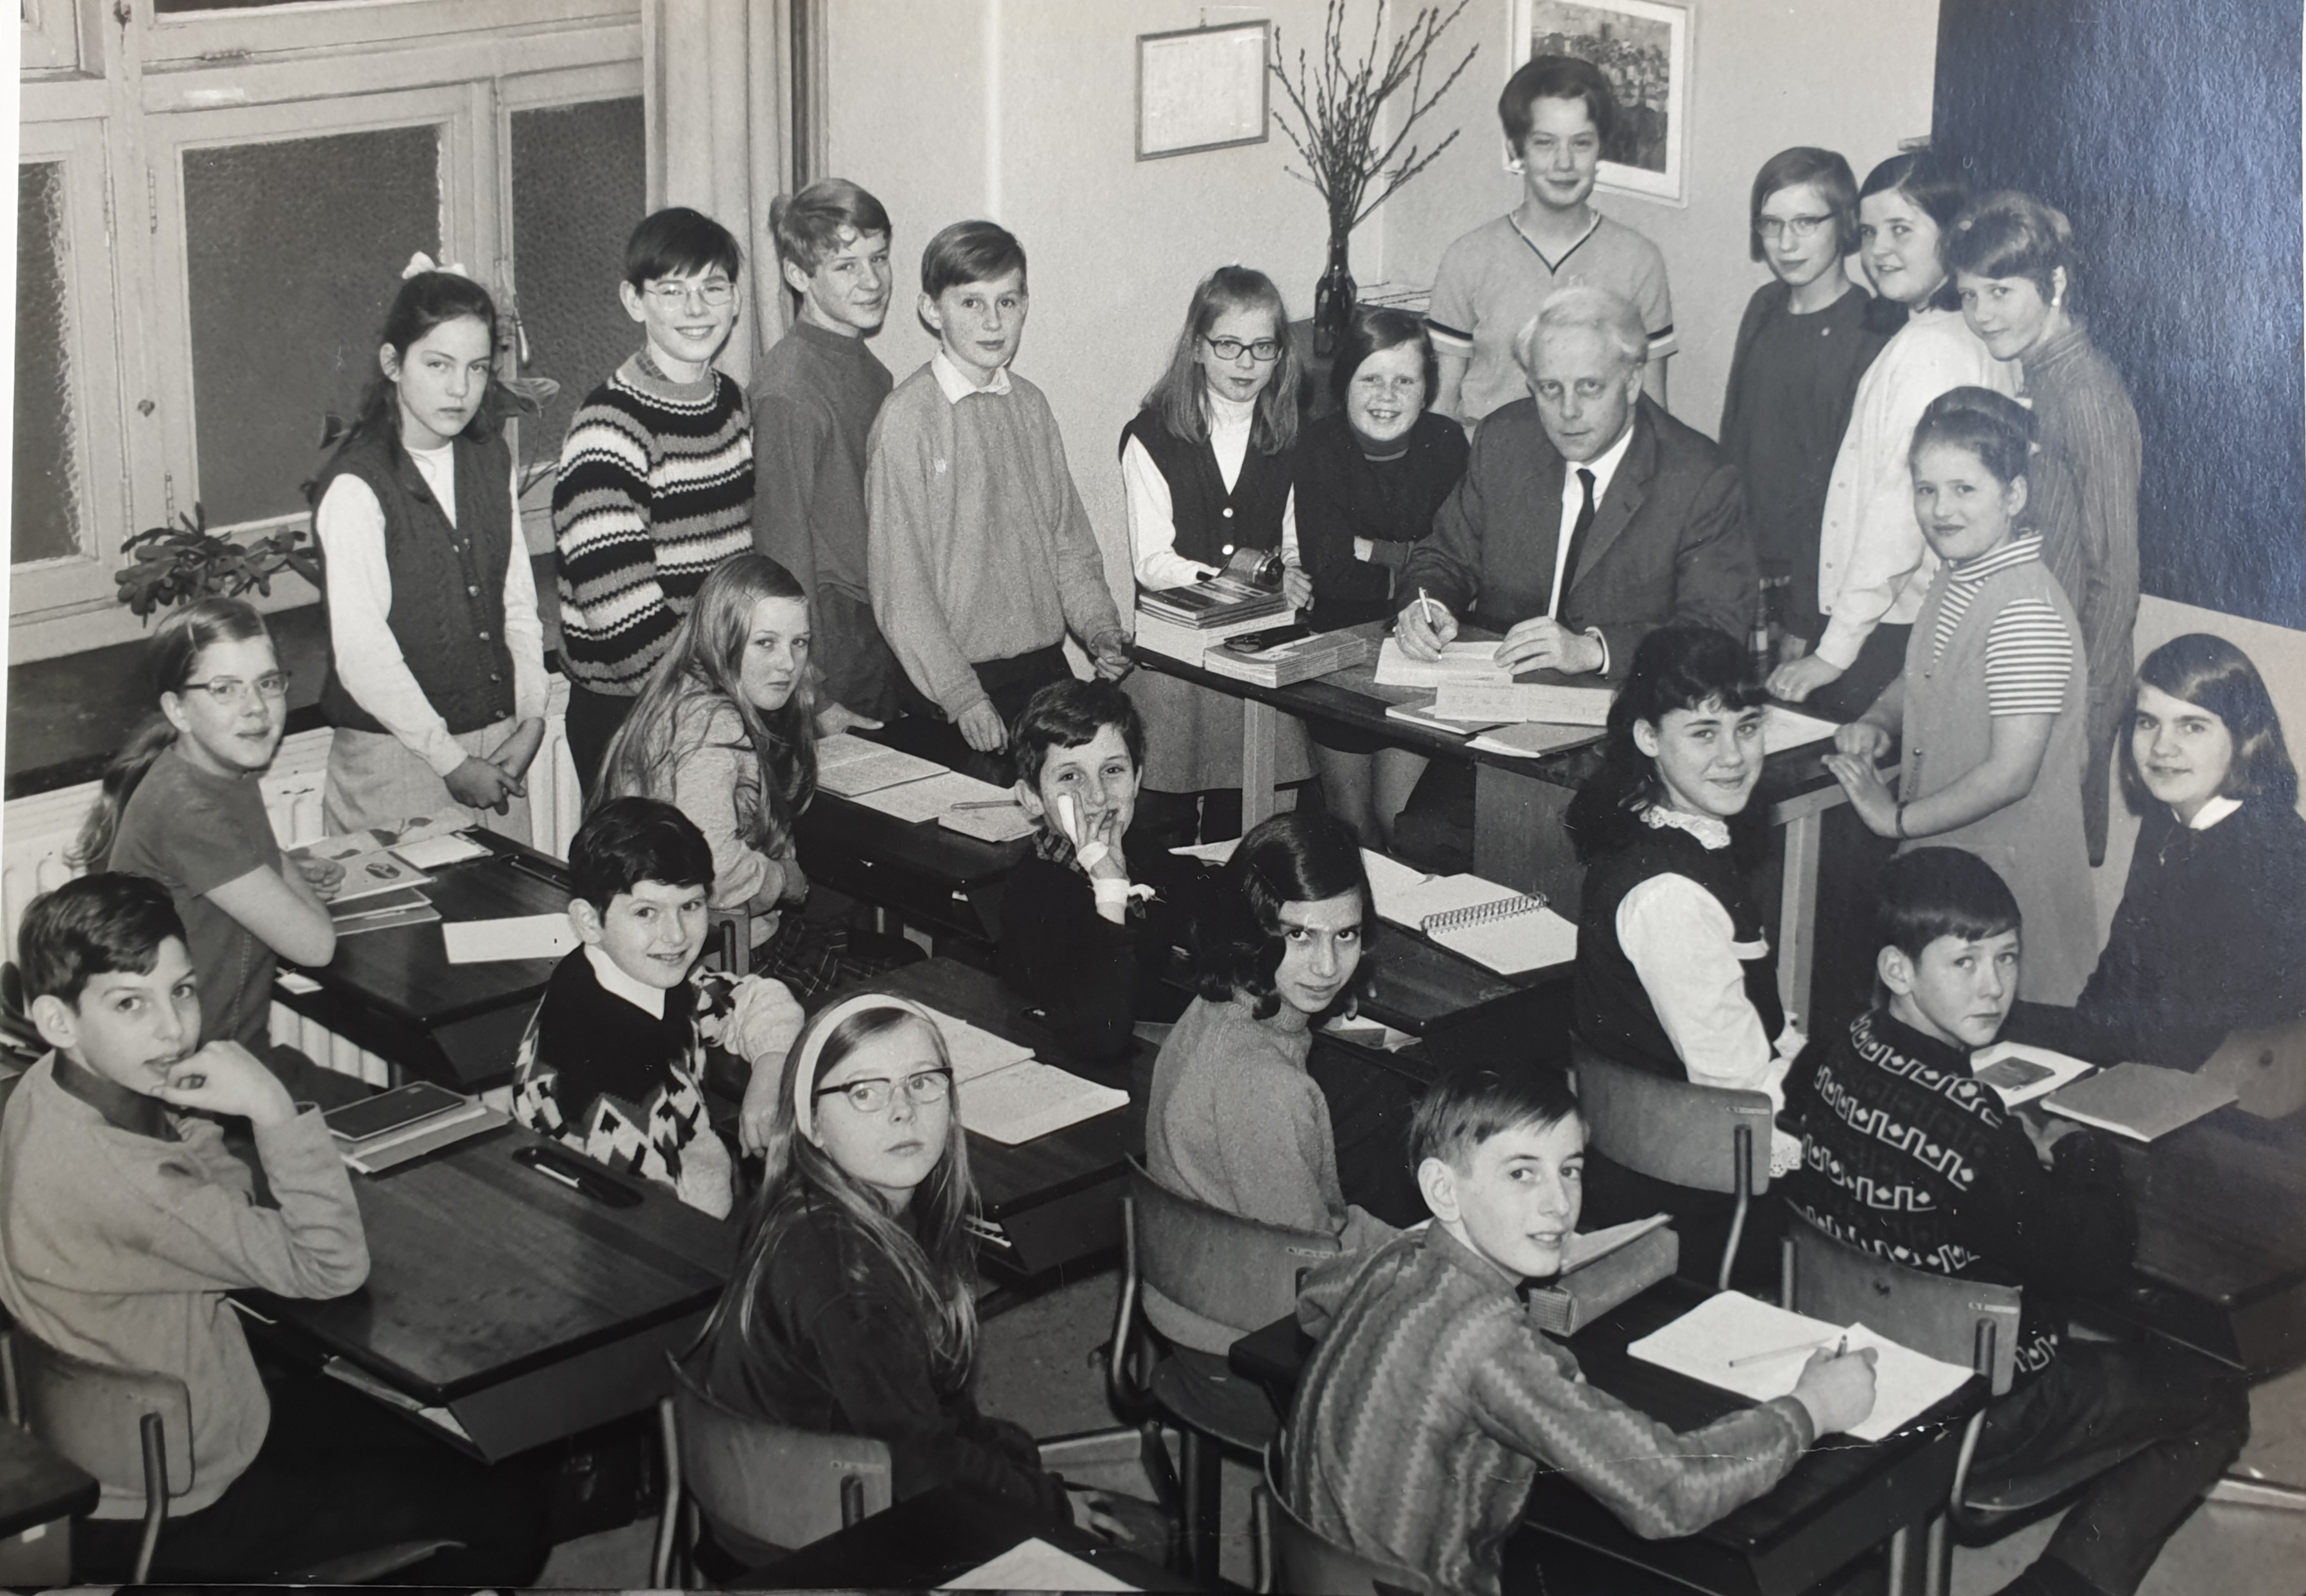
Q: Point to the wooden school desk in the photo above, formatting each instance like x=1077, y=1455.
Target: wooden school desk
x=1519, y=804
x=1056, y=1199
x=394, y=992
x=1843, y=1497
x=40, y=1494
x=528, y=1310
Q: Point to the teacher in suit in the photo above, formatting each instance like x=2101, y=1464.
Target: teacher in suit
x=1588, y=516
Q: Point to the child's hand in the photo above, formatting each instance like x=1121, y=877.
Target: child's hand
x=226, y=1078
x=2046, y=1131
x=834, y=718
x=1838, y=1390
x=1863, y=738
x=796, y=887
x=324, y=876
x=1110, y=655
x=480, y=784
x=1297, y=587
x=1797, y=680
x=982, y=728
x=1876, y=805
x=1111, y=865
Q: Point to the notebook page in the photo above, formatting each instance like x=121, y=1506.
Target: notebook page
x=1513, y=701
x=1783, y=728
x=1031, y=1099
x=1034, y=1565
x=974, y=1051
x=1390, y=881
x=933, y=796
x=1439, y=894
x=1459, y=663
x=849, y=765
x=521, y=936
x=1514, y=943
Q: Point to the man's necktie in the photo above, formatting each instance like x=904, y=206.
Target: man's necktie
x=1585, y=524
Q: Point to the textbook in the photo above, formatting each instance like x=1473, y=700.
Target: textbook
x=2019, y=1073
x=1300, y=658
x=1192, y=644
x=1009, y=1096
x=1249, y=586
x=393, y=1128
x=369, y=868
x=1423, y=714
x=2140, y=1101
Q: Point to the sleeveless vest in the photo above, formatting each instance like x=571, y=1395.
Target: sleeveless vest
x=1614, y=1012
x=447, y=581
x=1210, y=521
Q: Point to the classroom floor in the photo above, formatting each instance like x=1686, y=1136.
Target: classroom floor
x=1036, y=1369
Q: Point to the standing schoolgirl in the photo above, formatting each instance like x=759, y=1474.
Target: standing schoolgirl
x=1873, y=565
x=1809, y=335
x=1205, y=467
x=436, y=658
x=1989, y=708
x=180, y=804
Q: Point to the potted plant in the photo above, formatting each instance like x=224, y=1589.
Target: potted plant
x=1337, y=137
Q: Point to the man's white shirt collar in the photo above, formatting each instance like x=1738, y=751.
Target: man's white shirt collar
x=955, y=385
x=1603, y=466
x=618, y=984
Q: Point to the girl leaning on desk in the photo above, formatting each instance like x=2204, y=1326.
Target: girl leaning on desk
x=852, y=1309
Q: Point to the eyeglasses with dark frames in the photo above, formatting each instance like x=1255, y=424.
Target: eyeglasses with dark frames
x=871, y=1095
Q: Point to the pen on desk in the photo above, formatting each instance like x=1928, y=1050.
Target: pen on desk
x=1779, y=1351
x=551, y=1174
x=550, y=878
x=1005, y=803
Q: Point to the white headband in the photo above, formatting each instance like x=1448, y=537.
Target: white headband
x=804, y=1073
x=420, y=262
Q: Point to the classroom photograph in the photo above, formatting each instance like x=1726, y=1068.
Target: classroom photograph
x=1349, y=798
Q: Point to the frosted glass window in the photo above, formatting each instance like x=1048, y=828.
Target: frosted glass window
x=579, y=184
x=49, y=496
x=292, y=254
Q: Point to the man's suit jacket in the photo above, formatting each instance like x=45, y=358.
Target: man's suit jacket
x=1669, y=544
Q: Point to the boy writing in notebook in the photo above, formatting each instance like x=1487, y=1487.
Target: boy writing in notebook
x=1906, y=1155
x=615, y=1059
x=123, y=1222
x=980, y=556
x=1432, y=1400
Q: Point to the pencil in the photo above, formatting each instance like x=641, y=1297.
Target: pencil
x=1007, y=803
x=1779, y=1351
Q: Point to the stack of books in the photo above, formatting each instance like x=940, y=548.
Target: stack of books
x=1300, y=658
x=1182, y=621
x=393, y=1128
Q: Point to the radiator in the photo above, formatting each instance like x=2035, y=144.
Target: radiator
x=36, y=833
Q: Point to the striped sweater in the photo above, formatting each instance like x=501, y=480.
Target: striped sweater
x=1432, y=1400
x=655, y=490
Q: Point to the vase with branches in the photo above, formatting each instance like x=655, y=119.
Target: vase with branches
x=1353, y=163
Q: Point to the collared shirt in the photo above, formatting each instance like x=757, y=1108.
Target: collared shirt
x=954, y=383
x=2212, y=811
x=123, y=1109
x=614, y=981
x=1604, y=467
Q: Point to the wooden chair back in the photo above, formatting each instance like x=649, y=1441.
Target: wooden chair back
x=1293, y=1558
x=771, y=1483
x=1208, y=1278
x=1706, y=1138
x=1970, y=1322
x=93, y=1414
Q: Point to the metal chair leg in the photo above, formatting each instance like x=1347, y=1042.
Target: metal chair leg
x=156, y=1493
x=1204, y=1504
x=1937, y=1563
x=669, y=1520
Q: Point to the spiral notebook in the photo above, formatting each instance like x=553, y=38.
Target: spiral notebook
x=1506, y=931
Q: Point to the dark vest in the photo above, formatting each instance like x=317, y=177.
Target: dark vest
x=1614, y=1012
x=448, y=582
x=1210, y=520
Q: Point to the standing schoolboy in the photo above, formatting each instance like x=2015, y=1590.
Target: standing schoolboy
x=1908, y=1157
x=1432, y=1400
x=1558, y=112
x=125, y=1220
x=814, y=400
x=981, y=557
x=657, y=476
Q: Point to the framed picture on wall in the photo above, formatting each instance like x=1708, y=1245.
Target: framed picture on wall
x=1643, y=48
x=1201, y=89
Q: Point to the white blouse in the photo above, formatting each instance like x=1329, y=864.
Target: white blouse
x=1152, y=514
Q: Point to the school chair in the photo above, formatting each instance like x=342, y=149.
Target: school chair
x=1940, y=1316
x=1293, y=1558
x=762, y=1489
x=729, y=940
x=124, y=1424
x=1708, y=1139
x=1198, y=1279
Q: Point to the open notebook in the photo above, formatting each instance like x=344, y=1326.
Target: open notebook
x=1506, y=931
x=1010, y=1096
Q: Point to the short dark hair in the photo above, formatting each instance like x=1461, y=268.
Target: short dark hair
x=1995, y=427
x=1940, y=891
x=1374, y=330
x=677, y=242
x=1555, y=77
x=1684, y=667
x=2010, y=234
x=1300, y=857
x=631, y=839
x=1465, y=1106
x=970, y=252
x=1065, y=715
x=2211, y=673
x=93, y=925
x=807, y=225
x=1934, y=185
x=1821, y=169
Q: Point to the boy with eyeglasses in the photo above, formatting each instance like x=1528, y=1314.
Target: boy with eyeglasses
x=979, y=556
x=657, y=476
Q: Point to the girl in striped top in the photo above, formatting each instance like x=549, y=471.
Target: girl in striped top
x=1990, y=706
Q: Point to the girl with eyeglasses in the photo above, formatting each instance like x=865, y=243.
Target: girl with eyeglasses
x=1808, y=337
x=1205, y=471
x=852, y=1309
x=435, y=657
x=180, y=804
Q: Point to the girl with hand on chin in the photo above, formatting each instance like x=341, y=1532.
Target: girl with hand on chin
x=1989, y=708
x=1206, y=469
x=852, y=1309
x=1874, y=565
x=1234, y=1118
x=180, y=804
x=435, y=657
x=1807, y=339
x=1369, y=477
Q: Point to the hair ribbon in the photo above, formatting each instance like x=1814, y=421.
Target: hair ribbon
x=419, y=262
x=812, y=1047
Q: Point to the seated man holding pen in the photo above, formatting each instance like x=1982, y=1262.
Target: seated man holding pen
x=1587, y=516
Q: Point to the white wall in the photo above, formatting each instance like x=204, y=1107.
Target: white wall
x=1850, y=75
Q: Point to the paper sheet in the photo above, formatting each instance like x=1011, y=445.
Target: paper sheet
x=1459, y=663
x=1532, y=739
x=433, y=853
x=1515, y=944
x=934, y=798
x=521, y=936
x=1783, y=728
x=1702, y=1344
x=1030, y=1099
x=1511, y=700
x=1036, y=1566
x=1209, y=853
x=974, y=1051
x=1390, y=884
x=849, y=765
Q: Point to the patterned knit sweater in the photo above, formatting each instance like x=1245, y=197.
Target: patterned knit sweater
x=1432, y=1402
x=1908, y=1155
x=655, y=490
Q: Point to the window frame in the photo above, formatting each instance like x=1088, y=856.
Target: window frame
x=273, y=31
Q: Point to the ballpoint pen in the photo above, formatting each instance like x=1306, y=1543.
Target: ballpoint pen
x=1427, y=607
